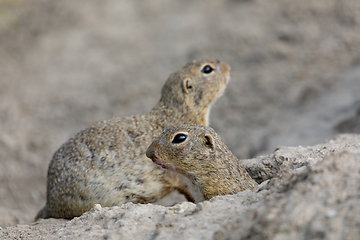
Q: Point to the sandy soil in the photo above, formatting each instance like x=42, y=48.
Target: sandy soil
x=65, y=65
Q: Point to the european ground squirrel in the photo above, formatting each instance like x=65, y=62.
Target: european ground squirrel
x=199, y=154
x=106, y=163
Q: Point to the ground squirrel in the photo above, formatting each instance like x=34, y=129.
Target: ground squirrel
x=106, y=163
x=198, y=153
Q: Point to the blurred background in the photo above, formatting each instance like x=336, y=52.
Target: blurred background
x=65, y=65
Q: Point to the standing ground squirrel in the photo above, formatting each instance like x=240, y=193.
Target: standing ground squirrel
x=106, y=163
x=199, y=154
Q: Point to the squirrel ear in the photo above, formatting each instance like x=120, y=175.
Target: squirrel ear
x=209, y=141
x=187, y=85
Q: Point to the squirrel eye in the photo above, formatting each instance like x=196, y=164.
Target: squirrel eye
x=179, y=138
x=207, y=69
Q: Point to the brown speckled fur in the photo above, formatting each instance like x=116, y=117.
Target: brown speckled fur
x=106, y=163
x=203, y=158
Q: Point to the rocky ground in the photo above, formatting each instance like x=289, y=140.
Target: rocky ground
x=65, y=65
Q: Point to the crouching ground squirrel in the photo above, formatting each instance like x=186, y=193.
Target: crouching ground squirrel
x=199, y=154
x=106, y=163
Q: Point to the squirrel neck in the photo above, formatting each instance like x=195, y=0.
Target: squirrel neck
x=215, y=182
x=181, y=114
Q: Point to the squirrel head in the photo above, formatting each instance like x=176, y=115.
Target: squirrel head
x=193, y=89
x=190, y=150
x=199, y=154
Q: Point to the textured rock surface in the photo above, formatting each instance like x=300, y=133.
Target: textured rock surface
x=314, y=194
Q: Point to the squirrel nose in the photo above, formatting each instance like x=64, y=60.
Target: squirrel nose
x=150, y=152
